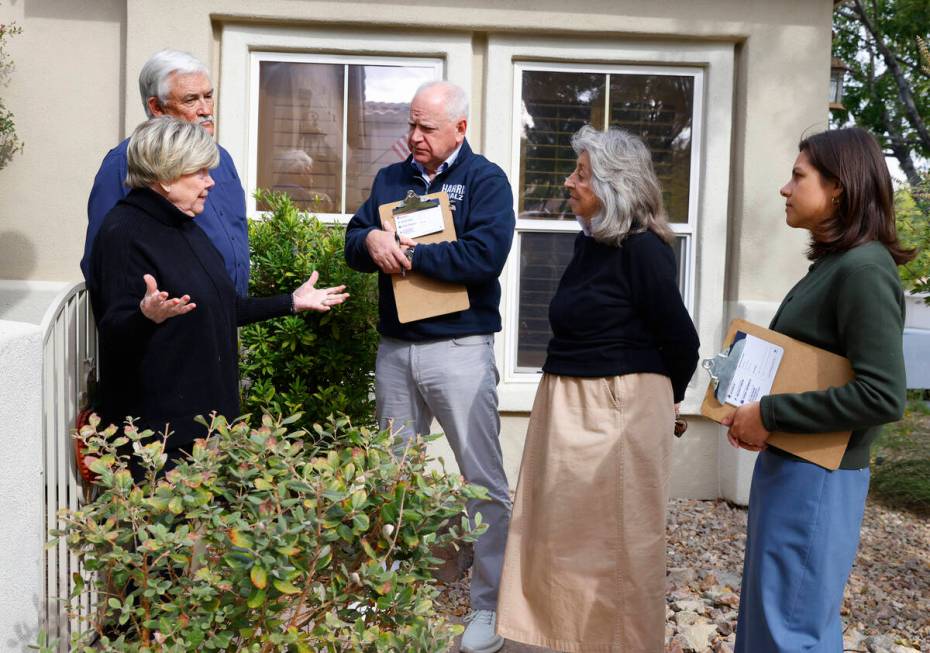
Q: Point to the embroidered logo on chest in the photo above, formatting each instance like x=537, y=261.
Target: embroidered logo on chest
x=456, y=192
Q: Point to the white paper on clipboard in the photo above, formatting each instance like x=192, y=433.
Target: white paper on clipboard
x=419, y=223
x=755, y=371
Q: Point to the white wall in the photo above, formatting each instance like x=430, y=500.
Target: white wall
x=21, y=485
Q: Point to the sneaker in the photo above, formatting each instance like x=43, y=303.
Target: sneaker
x=480, y=635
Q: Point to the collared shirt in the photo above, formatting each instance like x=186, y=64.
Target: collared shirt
x=441, y=169
x=223, y=218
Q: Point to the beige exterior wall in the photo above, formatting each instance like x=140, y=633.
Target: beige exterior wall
x=71, y=108
x=65, y=93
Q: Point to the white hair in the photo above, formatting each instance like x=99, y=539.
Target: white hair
x=166, y=148
x=625, y=183
x=455, y=99
x=153, y=78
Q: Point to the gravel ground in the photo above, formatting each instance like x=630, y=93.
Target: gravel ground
x=887, y=603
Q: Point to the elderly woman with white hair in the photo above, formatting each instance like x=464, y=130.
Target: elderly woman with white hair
x=585, y=563
x=166, y=310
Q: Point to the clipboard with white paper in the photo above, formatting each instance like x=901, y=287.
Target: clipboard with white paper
x=747, y=371
x=802, y=368
x=416, y=296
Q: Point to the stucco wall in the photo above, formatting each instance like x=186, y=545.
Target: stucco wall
x=21, y=489
x=65, y=93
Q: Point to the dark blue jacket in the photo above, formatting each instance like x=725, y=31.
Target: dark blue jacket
x=484, y=222
x=223, y=218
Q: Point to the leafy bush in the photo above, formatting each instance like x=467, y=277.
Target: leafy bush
x=262, y=541
x=10, y=143
x=310, y=363
x=912, y=210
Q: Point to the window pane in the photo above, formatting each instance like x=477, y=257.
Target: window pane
x=300, y=132
x=555, y=106
x=659, y=108
x=379, y=106
x=543, y=257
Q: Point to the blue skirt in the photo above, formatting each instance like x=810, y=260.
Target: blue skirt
x=800, y=545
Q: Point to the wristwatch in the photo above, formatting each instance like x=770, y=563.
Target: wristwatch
x=409, y=253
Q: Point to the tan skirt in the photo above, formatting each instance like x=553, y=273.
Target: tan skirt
x=584, y=568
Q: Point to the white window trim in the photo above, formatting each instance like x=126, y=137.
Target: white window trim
x=709, y=192
x=256, y=59
x=239, y=70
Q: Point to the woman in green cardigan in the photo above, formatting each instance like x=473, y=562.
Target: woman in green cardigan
x=804, y=520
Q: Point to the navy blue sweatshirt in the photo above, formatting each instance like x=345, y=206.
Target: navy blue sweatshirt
x=618, y=311
x=484, y=222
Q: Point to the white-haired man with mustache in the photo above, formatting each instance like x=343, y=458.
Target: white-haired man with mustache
x=175, y=83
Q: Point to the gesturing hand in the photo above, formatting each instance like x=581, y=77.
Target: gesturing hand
x=308, y=298
x=157, y=307
x=385, y=252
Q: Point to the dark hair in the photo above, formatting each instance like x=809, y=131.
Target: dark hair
x=852, y=158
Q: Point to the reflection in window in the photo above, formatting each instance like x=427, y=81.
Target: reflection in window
x=658, y=109
x=555, y=104
x=325, y=129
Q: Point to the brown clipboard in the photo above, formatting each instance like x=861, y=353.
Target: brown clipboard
x=417, y=296
x=803, y=368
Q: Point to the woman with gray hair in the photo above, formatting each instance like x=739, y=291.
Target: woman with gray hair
x=584, y=568
x=165, y=308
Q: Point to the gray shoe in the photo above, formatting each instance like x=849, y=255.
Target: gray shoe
x=480, y=635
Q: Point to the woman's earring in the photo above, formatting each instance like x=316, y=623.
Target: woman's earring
x=836, y=200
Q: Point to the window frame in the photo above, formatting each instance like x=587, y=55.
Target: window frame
x=257, y=57
x=709, y=201
x=237, y=129
x=540, y=225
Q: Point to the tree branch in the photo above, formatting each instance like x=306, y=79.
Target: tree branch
x=904, y=91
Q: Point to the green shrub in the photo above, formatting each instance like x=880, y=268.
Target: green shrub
x=263, y=541
x=913, y=224
x=315, y=364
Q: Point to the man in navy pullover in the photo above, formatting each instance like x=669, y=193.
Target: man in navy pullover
x=174, y=83
x=444, y=367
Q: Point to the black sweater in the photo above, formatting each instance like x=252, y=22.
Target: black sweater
x=188, y=365
x=618, y=311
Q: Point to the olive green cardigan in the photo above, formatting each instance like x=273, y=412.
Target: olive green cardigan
x=850, y=304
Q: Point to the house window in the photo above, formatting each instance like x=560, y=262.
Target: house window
x=552, y=102
x=326, y=124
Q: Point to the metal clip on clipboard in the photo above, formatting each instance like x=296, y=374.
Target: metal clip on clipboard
x=413, y=202
x=722, y=367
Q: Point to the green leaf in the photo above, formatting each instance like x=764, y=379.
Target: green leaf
x=259, y=577
x=256, y=599
x=285, y=587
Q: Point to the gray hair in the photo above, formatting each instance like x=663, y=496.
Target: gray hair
x=625, y=183
x=165, y=148
x=456, y=100
x=153, y=78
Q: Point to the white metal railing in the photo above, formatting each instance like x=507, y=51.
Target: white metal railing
x=68, y=368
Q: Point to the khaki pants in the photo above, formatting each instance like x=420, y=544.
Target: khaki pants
x=584, y=568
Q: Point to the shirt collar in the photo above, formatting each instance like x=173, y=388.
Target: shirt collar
x=445, y=165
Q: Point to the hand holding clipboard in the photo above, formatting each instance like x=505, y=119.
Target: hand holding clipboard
x=426, y=219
